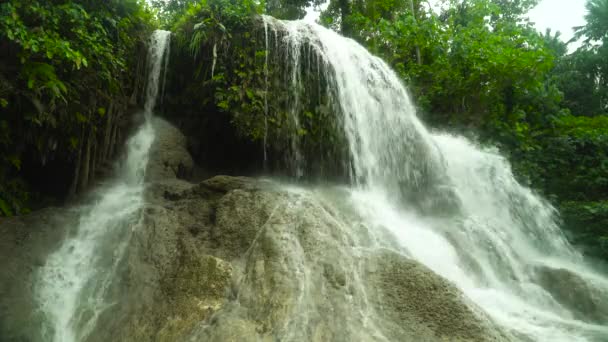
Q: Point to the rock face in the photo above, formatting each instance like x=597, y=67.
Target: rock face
x=24, y=244
x=240, y=259
x=169, y=158
x=235, y=259
x=422, y=304
x=583, y=297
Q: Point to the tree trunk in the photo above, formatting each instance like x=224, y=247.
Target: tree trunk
x=418, y=55
x=345, y=13
x=75, y=181
x=111, y=147
x=94, y=157
x=107, y=133
x=84, y=178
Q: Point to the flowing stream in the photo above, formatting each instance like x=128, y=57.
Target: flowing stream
x=450, y=204
x=73, y=284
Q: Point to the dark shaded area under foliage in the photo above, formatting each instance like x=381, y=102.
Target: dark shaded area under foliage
x=236, y=101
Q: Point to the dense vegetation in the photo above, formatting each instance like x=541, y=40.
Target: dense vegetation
x=474, y=66
x=67, y=74
x=228, y=90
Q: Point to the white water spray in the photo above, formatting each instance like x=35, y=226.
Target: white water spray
x=451, y=205
x=73, y=285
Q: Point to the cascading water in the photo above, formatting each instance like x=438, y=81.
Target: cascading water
x=451, y=205
x=73, y=285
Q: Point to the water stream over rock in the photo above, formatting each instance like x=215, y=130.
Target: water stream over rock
x=74, y=282
x=449, y=204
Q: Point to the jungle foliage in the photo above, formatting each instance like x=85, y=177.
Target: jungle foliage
x=66, y=76
x=248, y=96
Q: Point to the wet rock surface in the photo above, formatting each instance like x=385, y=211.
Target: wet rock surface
x=25, y=241
x=585, y=299
x=169, y=158
x=417, y=304
x=241, y=259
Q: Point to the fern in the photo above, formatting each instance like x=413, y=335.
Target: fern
x=195, y=42
x=4, y=209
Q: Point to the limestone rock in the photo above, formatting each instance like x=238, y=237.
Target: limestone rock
x=241, y=259
x=579, y=295
x=24, y=244
x=417, y=304
x=169, y=157
x=271, y=264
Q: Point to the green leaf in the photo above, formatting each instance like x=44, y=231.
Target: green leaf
x=4, y=208
x=74, y=142
x=223, y=105
x=15, y=161
x=81, y=118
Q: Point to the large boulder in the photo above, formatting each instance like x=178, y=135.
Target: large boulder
x=415, y=304
x=239, y=259
x=585, y=297
x=169, y=157
x=242, y=259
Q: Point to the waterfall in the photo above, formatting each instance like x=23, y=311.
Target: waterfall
x=159, y=48
x=266, y=52
x=253, y=258
x=73, y=286
x=450, y=204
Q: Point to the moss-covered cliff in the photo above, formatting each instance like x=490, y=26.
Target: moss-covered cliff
x=250, y=101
